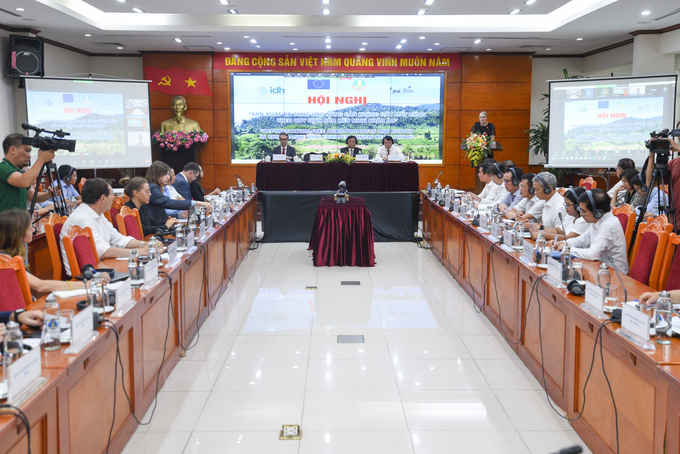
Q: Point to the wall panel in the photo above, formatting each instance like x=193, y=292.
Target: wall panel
x=496, y=96
x=496, y=68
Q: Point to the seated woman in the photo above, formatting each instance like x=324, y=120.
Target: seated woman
x=627, y=194
x=573, y=223
x=197, y=192
x=15, y=232
x=158, y=177
x=153, y=218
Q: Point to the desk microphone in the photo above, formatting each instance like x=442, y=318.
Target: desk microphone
x=572, y=450
x=436, y=180
x=239, y=183
x=625, y=293
x=563, y=229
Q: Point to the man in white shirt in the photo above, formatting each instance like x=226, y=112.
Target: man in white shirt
x=544, y=185
x=604, y=237
x=388, y=149
x=491, y=189
x=530, y=208
x=513, y=195
x=97, y=197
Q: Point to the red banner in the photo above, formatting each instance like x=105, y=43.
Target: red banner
x=177, y=81
x=337, y=62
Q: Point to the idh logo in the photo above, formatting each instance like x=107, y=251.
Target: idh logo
x=271, y=90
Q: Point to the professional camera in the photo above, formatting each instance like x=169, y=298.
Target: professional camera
x=657, y=145
x=56, y=142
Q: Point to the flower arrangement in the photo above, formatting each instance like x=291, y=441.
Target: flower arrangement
x=476, y=147
x=174, y=140
x=339, y=157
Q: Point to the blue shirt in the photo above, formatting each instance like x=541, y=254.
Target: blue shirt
x=66, y=189
x=510, y=200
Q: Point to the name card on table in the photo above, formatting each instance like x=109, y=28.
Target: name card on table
x=22, y=373
x=508, y=238
x=528, y=254
x=555, y=273
x=359, y=157
x=172, y=253
x=635, y=327
x=456, y=205
x=279, y=158
x=319, y=157
x=123, y=298
x=483, y=221
x=201, y=231
x=82, y=331
x=393, y=158
x=190, y=240
x=595, y=295
x=496, y=230
x=150, y=271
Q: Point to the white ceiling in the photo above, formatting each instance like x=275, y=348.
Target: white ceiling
x=382, y=24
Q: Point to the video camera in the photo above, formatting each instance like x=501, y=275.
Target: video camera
x=657, y=145
x=56, y=142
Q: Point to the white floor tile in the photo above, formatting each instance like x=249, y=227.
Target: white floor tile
x=176, y=411
x=348, y=324
x=213, y=348
x=530, y=410
x=426, y=346
x=507, y=374
x=374, y=347
x=488, y=347
x=541, y=442
x=488, y=442
x=438, y=374
x=355, y=442
x=276, y=325
x=193, y=376
x=270, y=347
x=241, y=442
x=262, y=375
x=157, y=443
x=350, y=374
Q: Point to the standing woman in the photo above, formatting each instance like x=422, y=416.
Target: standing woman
x=158, y=177
x=484, y=127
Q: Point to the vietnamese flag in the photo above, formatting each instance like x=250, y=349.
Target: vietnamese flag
x=177, y=81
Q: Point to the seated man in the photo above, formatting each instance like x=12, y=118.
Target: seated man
x=68, y=177
x=283, y=148
x=530, y=208
x=511, y=181
x=97, y=197
x=544, y=185
x=604, y=237
x=351, y=147
x=574, y=222
x=491, y=189
x=496, y=171
x=388, y=149
x=183, y=180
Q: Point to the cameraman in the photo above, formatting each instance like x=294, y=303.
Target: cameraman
x=15, y=185
x=674, y=169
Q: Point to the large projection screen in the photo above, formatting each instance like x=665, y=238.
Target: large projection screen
x=319, y=111
x=596, y=122
x=108, y=119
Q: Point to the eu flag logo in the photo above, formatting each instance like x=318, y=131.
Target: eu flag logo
x=68, y=97
x=603, y=104
x=318, y=84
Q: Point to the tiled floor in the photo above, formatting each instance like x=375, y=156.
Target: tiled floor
x=433, y=375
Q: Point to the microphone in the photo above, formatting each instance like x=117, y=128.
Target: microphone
x=28, y=127
x=563, y=229
x=239, y=182
x=625, y=293
x=88, y=272
x=436, y=180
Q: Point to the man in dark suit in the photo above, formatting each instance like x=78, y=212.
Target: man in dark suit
x=183, y=180
x=284, y=148
x=351, y=147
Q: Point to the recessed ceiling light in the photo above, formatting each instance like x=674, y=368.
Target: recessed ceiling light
x=646, y=13
x=436, y=44
x=178, y=40
x=137, y=10
x=402, y=41
x=254, y=41
x=398, y=46
x=420, y=12
x=488, y=49
x=328, y=40
x=429, y=2
x=326, y=12
x=120, y=48
x=579, y=39
x=258, y=46
x=88, y=35
x=530, y=2
x=364, y=44
x=295, y=48
x=122, y=1
x=246, y=36
x=421, y=37
x=227, y=48
x=477, y=41
x=292, y=44
x=429, y=50
x=224, y=2
x=515, y=11
x=325, y=2
x=20, y=9
x=233, y=11
x=328, y=46
x=362, y=49
x=548, y=48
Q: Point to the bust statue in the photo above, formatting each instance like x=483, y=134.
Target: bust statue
x=179, y=122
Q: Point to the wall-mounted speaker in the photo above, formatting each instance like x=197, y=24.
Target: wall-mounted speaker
x=26, y=56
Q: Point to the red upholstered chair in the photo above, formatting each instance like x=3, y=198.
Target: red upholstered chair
x=626, y=216
x=80, y=249
x=129, y=223
x=587, y=183
x=648, y=253
x=80, y=185
x=52, y=232
x=669, y=278
x=561, y=191
x=16, y=293
x=663, y=220
x=113, y=212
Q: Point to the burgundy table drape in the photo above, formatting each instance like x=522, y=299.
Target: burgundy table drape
x=316, y=176
x=342, y=234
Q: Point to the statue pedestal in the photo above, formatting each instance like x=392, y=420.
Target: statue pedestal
x=178, y=159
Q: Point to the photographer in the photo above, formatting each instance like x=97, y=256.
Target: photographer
x=674, y=169
x=15, y=185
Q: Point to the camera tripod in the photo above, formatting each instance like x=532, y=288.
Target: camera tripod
x=58, y=197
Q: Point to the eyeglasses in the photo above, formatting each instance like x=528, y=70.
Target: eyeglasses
x=506, y=181
x=583, y=212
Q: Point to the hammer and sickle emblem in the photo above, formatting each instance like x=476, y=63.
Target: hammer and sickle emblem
x=165, y=81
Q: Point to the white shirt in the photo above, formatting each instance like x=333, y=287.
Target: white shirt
x=551, y=209
x=578, y=226
x=533, y=206
x=173, y=192
x=104, y=234
x=614, y=188
x=382, y=152
x=490, y=193
x=602, y=239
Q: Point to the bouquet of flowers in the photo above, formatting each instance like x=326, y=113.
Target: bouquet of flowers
x=174, y=140
x=339, y=157
x=476, y=147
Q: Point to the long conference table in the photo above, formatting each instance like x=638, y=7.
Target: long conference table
x=72, y=413
x=645, y=385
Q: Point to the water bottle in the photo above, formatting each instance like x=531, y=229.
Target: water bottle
x=603, y=277
x=51, y=323
x=181, y=239
x=133, y=270
x=566, y=264
x=74, y=204
x=519, y=235
x=13, y=345
x=540, y=246
x=664, y=314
